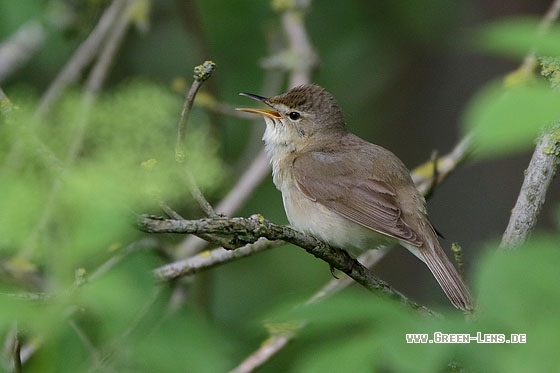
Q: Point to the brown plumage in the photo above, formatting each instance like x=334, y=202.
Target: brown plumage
x=345, y=190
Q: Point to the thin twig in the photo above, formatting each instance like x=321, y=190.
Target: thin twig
x=28, y=137
x=86, y=341
x=201, y=74
x=144, y=243
x=423, y=175
x=247, y=183
x=20, y=47
x=269, y=348
x=93, y=85
x=305, y=56
x=182, y=124
x=306, y=61
x=209, y=103
x=550, y=16
x=199, y=197
x=17, y=354
x=169, y=211
x=83, y=56
x=96, y=79
x=211, y=259
x=69, y=74
x=300, y=57
x=368, y=259
x=530, y=61
x=114, y=39
x=279, y=339
x=251, y=178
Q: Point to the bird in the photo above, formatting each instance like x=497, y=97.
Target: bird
x=344, y=190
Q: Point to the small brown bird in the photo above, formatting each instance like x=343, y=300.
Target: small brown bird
x=344, y=190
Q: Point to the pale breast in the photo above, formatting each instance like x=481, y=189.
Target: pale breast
x=319, y=221
x=312, y=217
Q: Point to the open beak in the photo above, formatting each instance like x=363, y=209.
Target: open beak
x=265, y=112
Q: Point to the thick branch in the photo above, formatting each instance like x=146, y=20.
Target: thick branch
x=542, y=166
x=251, y=229
x=538, y=177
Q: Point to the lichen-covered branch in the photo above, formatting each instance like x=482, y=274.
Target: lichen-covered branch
x=249, y=230
x=532, y=195
x=545, y=159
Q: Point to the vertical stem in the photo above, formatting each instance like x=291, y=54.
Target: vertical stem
x=538, y=177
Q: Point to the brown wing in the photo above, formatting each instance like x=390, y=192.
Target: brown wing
x=370, y=202
x=373, y=203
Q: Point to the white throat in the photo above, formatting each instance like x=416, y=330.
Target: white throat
x=278, y=144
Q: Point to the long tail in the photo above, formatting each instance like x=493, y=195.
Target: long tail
x=445, y=273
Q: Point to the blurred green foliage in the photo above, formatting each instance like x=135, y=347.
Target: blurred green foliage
x=518, y=36
x=517, y=294
x=68, y=206
x=550, y=68
x=115, y=158
x=507, y=116
x=505, y=120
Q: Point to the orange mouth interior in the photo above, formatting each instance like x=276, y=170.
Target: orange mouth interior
x=266, y=112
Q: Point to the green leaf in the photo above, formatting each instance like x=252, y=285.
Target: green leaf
x=364, y=332
x=506, y=120
x=21, y=201
x=519, y=293
x=182, y=343
x=516, y=37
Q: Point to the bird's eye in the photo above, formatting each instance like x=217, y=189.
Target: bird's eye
x=294, y=115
